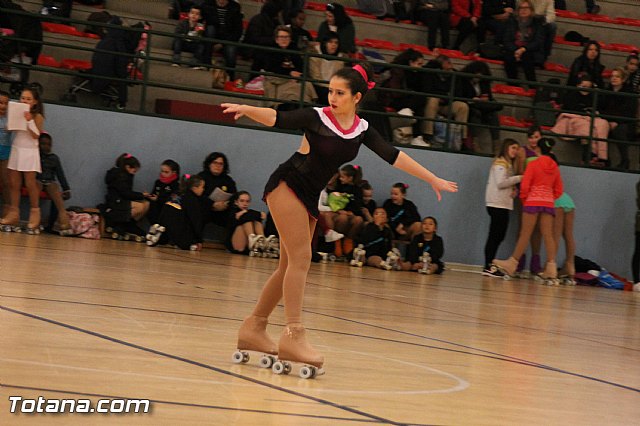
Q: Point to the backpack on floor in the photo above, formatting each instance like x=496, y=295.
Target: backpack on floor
x=85, y=225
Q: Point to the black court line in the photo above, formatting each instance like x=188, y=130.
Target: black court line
x=203, y=365
x=467, y=350
x=483, y=322
x=493, y=355
x=187, y=404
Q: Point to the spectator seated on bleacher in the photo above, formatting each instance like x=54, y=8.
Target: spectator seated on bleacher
x=588, y=63
x=465, y=17
x=188, y=39
x=482, y=107
x=260, y=32
x=546, y=11
x=439, y=85
x=339, y=22
x=435, y=15
x=26, y=27
x=523, y=42
x=286, y=63
x=223, y=19
x=300, y=37
x=577, y=123
x=590, y=5
x=622, y=111
x=495, y=16
x=111, y=60
x=323, y=69
x=632, y=69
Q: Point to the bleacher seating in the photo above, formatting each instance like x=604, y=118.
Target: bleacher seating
x=618, y=31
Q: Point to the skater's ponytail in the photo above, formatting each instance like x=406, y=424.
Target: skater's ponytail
x=546, y=146
x=127, y=159
x=353, y=171
x=187, y=182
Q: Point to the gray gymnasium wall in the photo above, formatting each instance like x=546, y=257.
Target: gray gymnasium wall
x=88, y=141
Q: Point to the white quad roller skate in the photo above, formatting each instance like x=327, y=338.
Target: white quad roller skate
x=359, y=256
x=426, y=263
x=253, y=337
x=154, y=234
x=33, y=226
x=272, y=247
x=507, y=267
x=256, y=245
x=11, y=220
x=550, y=274
x=567, y=275
x=392, y=261
x=295, y=350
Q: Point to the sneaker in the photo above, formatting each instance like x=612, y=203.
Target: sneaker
x=492, y=272
x=419, y=141
x=332, y=236
x=197, y=67
x=175, y=65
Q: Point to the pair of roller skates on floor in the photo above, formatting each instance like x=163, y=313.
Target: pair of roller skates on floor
x=548, y=276
x=426, y=264
x=261, y=246
x=359, y=256
x=11, y=221
x=392, y=262
x=292, y=349
x=128, y=231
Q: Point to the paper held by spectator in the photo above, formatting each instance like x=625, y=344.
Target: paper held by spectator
x=15, y=116
x=219, y=195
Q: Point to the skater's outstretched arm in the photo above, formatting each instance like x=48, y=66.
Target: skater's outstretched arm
x=266, y=116
x=412, y=167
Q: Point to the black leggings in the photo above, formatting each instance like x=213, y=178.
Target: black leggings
x=497, y=232
x=635, y=261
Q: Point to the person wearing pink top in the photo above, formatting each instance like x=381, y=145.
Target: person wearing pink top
x=541, y=185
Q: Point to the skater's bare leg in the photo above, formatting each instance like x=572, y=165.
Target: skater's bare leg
x=570, y=242
x=546, y=229
x=139, y=209
x=374, y=261
x=529, y=222
x=240, y=236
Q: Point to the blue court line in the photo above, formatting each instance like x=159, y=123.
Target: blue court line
x=483, y=353
x=203, y=365
x=186, y=404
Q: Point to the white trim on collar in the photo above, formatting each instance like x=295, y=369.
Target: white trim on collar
x=360, y=128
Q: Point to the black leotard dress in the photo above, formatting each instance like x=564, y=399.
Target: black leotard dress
x=330, y=147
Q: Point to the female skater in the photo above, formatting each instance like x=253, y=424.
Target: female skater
x=333, y=136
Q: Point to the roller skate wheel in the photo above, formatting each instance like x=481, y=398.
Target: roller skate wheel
x=506, y=277
x=308, y=372
x=267, y=361
x=281, y=367
x=108, y=230
x=240, y=357
x=332, y=257
x=115, y=235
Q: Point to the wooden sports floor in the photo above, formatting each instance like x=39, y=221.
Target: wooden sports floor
x=110, y=319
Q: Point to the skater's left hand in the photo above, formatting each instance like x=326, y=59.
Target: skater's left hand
x=443, y=185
